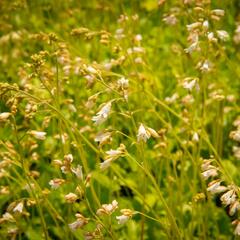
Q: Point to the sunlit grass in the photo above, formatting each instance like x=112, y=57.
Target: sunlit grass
x=119, y=119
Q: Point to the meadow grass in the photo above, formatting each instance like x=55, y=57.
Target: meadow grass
x=119, y=119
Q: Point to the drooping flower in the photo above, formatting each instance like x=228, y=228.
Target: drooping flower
x=91, y=70
x=7, y=217
x=218, y=12
x=105, y=164
x=112, y=155
x=68, y=158
x=103, y=137
x=126, y=215
x=189, y=85
x=71, y=197
x=235, y=135
x=211, y=172
x=66, y=165
x=205, y=25
x=108, y=209
x=234, y=207
x=18, y=208
x=79, y=223
x=122, y=219
x=4, y=116
x=215, y=187
x=193, y=47
x=208, y=169
x=211, y=37
x=195, y=137
x=229, y=197
x=123, y=83
x=193, y=26
x=78, y=172
x=142, y=135
x=223, y=35
x=56, y=183
x=103, y=114
x=205, y=66
x=38, y=135
x=236, y=152
x=237, y=229
x=206, y=164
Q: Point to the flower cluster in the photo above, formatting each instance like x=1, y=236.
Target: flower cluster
x=228, y=194
x=112, y=155
x=235, y=135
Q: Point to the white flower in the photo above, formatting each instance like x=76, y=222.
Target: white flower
x=105, y=164
x=205, y=66
x=8, y=217
x=38, y=135
x=193, y=47
x=235, y=135
x=112, y=155
x=189, y=85
x=90, y=79
x=4, y=116
x=170, y=19
x=193, y=26
x=172, y=99
x=103, y=114
x=122, y=219
x=237, y=229
x=126, y=215
x=223, y=35
x=206, y=164
x=108, y=66
x=91, y=70
x=71, y=197
x=215, y=187
x=102, y=137
x=205, y=25
x=56, y=183
x=138, y=38
x=78, y=172
x=234, y=207
x=122, y=83
x=211, y=37
x=218, y=12
x=108, y=208
x=152, y=132
x=236, y=152
x=68, y=157
x=195, y=137
x=18, y=208
x=229, y=197
x=79, y=223
x=212, y=172
x=142, y=135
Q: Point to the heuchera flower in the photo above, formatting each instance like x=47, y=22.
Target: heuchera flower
x=103, y=114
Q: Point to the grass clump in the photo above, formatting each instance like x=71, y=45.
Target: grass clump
x=119, y=119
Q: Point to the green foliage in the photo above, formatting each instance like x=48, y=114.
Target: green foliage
x=117, y=119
